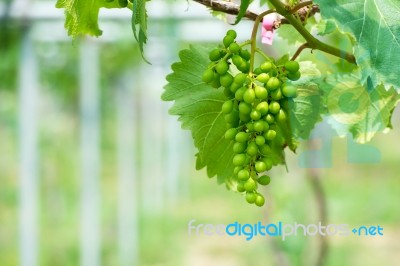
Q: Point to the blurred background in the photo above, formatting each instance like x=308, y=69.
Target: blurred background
x=93, y=170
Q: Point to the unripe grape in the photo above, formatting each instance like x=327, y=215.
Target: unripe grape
x=250, y=126
x=276, y=94
x=259, y=201
x=243, y=175
x=240, y=187
x=232, y=118
x=270, y=119
x=252, y=149
x=228, y=40
x=294, y=76
x=245, y=54
x=270, y=134
x=263, y=78
x=244, y=108
x=226, y=80
x=281, y=116
x=250, y=185
x=222, y=67
x=208, y=76
x=239, y=93
x=228, y=93
x=255, y=115
x=260, y=140
x=215, y=84
x=240, y=78
x=234, y=87
x=258, y=126
x=289, y=91
x=241, y=137
x=273, y=83
x=262, y=107
x=244, y=118
x=234, y=48
x=274, y=107
x=257, y=71
x=260, y=166
x=239, y=159
x=232, y=33
x=268, y=163
x=215, y=55
x=265, y=149
x=244, y=67
x=261, y=92
x=122, y=3
x=249, y=96
x=230, y=133
x=266, y=67
x=239, y=147
x=292, y=66
x=251, y=197
x=264, y=180
x=237, y=60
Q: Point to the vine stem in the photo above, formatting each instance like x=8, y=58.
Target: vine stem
x=254, y=36
x=299, y=50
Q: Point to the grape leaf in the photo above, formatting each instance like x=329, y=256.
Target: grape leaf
x=290, y=34
x=81, y=16
x=374, y=24
x=363, y=110
x=139, y=19
x=307, y=107
x=244, y=4
x=325, y=27
x=199, y=109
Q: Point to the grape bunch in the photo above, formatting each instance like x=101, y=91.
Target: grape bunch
x=256, y=106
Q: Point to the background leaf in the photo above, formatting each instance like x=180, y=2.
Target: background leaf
x=244, y=4
x=375, y=25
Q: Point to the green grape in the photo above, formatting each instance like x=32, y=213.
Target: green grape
x=240, y=187
x=262, y=107
x=294, y=76
x=215, y=84
x=244, y=67
x=276, y=95
x=227, y=107
x=226, y=80
x=270, y=134
x=268, y=163
x=243, y=175
x=215, y=55
x=123, y=3
x=266, y=67
x=249, y=96
x=292, y=66
x=251, y=197
x=234, y=48
x=281, y=116
x=270, y=119
x=261, y=92
x=289, y=91
x=208, y=76
x=265, y=149
x=274, y=107
x=263, y=78
x=232, y=33
x=228, y=40
x=257, y=71
x=239, y=93
x=250, y=185
x=244, y=118
x=237, y=60
x=232, y=118
x=244, y=108
x=222, y=67
x=273, y=83
x=250, y=126
x=252, y=149
x=245, y=54
x=260, y=166
x=260, y=140
x=228, y=93
x=264, y=180
x=259, y=201
x=258, y=126
x=230, y=133
x=239, y=159
x=235, y=87
x=241, y=137
x=255, y=115
x=239, y=147
x=240, y=78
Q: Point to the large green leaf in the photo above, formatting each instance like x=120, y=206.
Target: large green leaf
x=375, y=25
x=199, y=109
x=363, y=110
x=81, y=16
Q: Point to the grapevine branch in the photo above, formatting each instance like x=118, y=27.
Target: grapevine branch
x=289, y=18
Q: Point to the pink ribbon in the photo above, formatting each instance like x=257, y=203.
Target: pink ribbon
x=267, y=31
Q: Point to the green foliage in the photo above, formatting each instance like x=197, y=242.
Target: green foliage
x=244, y=4
x=139, y=19
x=199, y=109
x=375, y=26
